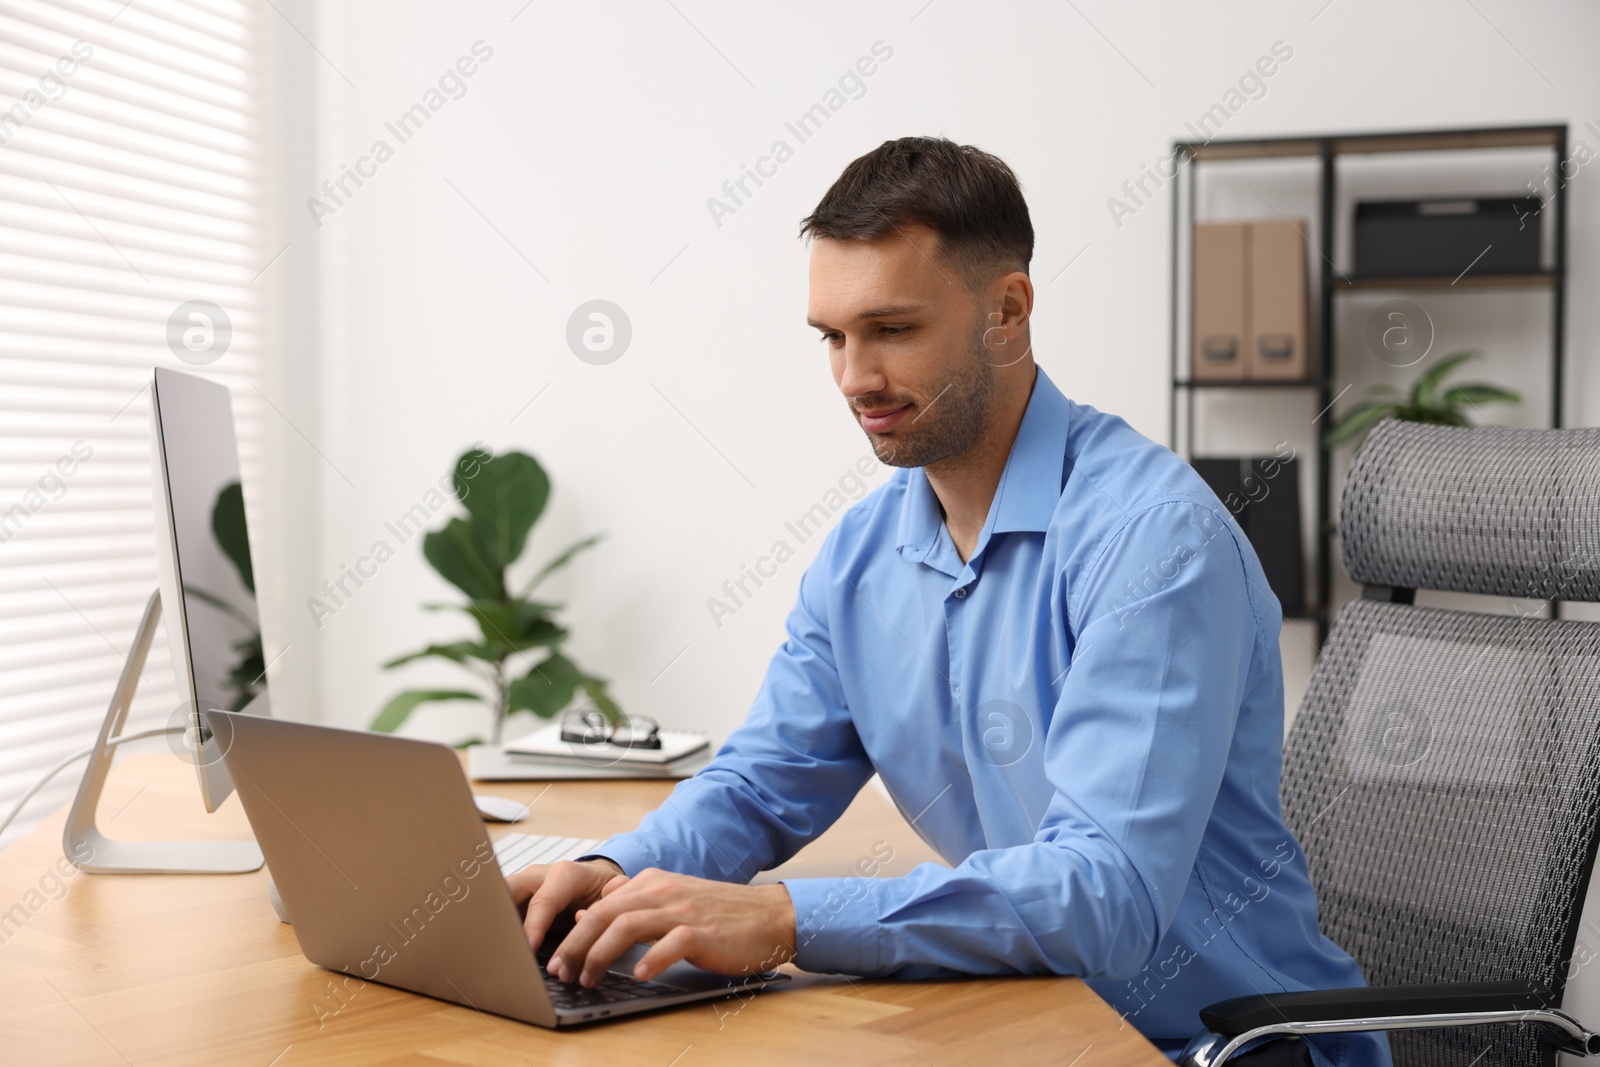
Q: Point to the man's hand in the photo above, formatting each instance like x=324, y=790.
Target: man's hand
x=552, y=888
x=730, y=929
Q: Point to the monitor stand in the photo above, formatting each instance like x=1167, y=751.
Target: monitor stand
x=95, y=853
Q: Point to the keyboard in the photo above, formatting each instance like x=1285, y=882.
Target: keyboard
x=613, y=988
x=516, y=851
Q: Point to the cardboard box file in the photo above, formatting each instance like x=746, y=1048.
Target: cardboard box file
x=1219, y=301
x=1275, y=302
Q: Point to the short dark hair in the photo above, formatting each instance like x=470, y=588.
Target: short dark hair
x=969, y=198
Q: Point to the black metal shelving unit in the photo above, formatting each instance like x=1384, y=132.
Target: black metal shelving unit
x=1328, y=149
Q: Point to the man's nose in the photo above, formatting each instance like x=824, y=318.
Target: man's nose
x=859, y=374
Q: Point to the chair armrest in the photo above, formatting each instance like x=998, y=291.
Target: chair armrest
x=1242, y=1014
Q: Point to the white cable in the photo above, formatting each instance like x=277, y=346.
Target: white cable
x=111, y=743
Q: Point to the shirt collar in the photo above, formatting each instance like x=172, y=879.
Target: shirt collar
x=1029, y=486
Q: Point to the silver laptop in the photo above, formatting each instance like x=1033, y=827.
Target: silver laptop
x=384, y=867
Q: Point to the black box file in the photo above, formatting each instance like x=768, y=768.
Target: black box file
x=1264, y=496
x=1443, y=238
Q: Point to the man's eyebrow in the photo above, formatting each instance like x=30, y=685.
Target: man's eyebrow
x=887, y=312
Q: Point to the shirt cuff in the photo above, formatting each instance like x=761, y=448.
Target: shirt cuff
x=634, y=851
x=836, y=928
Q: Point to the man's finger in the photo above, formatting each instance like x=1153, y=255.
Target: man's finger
x=643, y=892
x=561, y=885
x=566, y=962
x=676, y=944
x=525, y=882
x=621, y=934
x=541, y=913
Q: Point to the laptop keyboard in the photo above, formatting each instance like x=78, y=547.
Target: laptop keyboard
x=516, y=851
x=614, y=987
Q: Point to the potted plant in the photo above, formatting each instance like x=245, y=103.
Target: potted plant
x=1424, y=403
x=516, y=654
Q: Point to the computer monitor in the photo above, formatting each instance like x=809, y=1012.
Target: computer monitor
x=203, y=558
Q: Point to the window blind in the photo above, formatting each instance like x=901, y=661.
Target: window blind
x=129, y=147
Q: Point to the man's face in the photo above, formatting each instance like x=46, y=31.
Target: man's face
x=906, y=341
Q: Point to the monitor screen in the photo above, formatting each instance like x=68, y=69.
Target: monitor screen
x=215, y=629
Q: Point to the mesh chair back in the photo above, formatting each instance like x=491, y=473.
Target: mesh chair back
x=1477, y=510
x=1443, y=773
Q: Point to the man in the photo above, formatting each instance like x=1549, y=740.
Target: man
x=1045, y=634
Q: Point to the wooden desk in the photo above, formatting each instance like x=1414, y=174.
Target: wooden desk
x=170, y=969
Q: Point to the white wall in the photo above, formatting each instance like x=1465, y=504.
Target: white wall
x=585, y=150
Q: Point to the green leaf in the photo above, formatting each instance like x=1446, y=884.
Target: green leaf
x=395, y=713
x=595, y=689
x=1353, y=422
x=455, y=652
x=505, y=495
x=1433, y=416
x=547, y=689
x=561, y=561
x=457, y=553
x=440, y=605
x=228, y=527
x=520, y=623
x=468, y=742
x=540, y=634
x=525, y=608
x=512, y=625
x=496, y=621
x=1474, y=393
x=1423, y=392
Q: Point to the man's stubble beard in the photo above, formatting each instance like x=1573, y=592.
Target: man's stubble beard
x=951, y=424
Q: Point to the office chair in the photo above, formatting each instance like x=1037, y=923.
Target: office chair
x=1443, y=774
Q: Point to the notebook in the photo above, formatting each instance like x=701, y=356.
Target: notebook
x=489, y=763
x=546, y=744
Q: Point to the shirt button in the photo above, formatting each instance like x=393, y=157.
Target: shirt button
x=961, y=593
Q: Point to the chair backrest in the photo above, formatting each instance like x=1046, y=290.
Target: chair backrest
x=1443, y=773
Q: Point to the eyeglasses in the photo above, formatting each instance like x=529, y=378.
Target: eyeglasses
x=587, y=726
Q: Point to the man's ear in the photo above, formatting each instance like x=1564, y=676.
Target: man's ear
x=1006, y=336
x=1016, y=300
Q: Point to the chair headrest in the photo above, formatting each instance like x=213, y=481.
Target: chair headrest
x=1481, y=509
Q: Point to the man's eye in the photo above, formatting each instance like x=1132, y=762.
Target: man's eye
x=835, y=338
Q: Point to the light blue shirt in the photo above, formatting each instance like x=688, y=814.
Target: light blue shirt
x=1084, y=719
